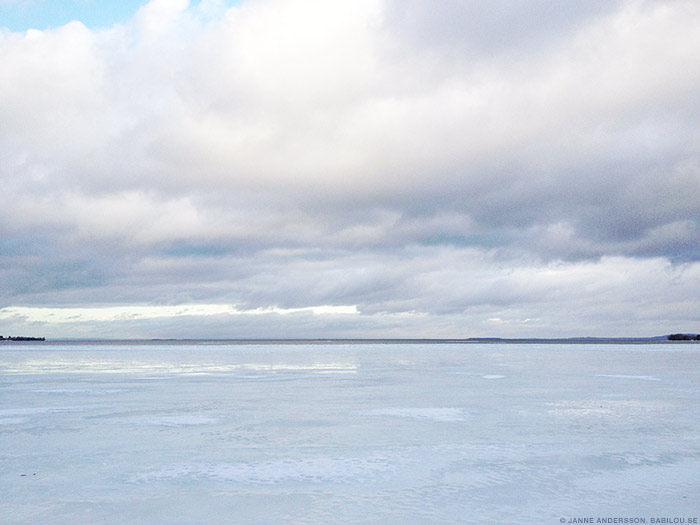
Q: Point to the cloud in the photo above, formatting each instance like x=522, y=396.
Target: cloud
x=401, y=157
x=117, y=313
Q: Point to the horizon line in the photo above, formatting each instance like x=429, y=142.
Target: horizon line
x=352, y=340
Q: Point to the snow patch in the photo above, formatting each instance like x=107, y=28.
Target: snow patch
x=13, y=420
x=622, y=376
x=309, y=470
x=427, y=414
x=602, y=407
x=36, y=411
x=182, y=420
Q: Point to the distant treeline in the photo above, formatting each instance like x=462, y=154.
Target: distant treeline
x=21, y=338
x=684, y=337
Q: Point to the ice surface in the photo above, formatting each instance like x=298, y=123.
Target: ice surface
x=310, y=434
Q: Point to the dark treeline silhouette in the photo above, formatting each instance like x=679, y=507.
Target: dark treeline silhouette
x=684, y=337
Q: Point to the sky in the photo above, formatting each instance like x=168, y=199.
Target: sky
x=365, y=168
x=20, y=15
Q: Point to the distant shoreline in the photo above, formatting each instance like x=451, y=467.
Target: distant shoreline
x=340, y=341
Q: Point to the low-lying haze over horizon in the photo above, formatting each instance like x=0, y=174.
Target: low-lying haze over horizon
x=374, y=168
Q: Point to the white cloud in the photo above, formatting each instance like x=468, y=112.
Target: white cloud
x=158, y=16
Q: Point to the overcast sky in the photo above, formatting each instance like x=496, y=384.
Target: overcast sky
x=364, y=168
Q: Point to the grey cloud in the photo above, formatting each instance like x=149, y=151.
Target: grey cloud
x=611, y=296
x=474, y=28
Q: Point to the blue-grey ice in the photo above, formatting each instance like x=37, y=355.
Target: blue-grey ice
x=385, y=433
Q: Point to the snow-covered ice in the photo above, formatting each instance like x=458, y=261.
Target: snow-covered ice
x=352, y=433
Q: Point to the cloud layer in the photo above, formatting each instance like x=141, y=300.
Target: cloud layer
x=450, y=170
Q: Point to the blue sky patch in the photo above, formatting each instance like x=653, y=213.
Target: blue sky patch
x=20, y=15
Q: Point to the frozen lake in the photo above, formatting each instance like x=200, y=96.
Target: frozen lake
x=351, y=433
